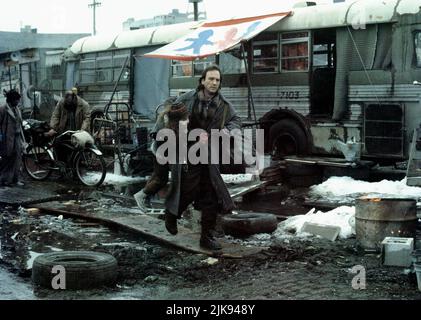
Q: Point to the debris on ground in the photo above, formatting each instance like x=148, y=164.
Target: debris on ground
x=294, y=265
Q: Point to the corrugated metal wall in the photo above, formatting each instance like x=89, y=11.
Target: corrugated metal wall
x=265, y=99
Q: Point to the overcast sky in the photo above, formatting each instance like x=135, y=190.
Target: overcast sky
x=74, y=16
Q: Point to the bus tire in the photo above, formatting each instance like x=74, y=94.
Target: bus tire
x=82, y=269
x=287, y=138
x=247, y=224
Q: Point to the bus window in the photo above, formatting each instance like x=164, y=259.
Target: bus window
x=188, y=68
x=265, y=53
x=119, y=58
x=103, y=67
x=181, y=69
x=87, y=76
x=324, y=48
x=104, y=75
x=322, y=55
x=418, y=48
x=231, y=62
x=87, y=69
x=295, y=51
x=200, y=65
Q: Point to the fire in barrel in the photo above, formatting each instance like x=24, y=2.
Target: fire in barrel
x=378, y=218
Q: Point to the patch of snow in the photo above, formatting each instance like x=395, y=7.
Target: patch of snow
x=237, y=178
x=114, y=179
x=347, y=189
x=33, y=255
x=54, y=249
x=290, y=229
x=14, y=236
x=343, y=217
x=210, y=261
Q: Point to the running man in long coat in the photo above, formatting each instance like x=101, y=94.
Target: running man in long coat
x=202, y=184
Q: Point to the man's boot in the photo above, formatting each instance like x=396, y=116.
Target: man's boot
x=207, y=240
x=171, y=223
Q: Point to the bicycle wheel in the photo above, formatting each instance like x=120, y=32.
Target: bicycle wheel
x=38, y=163
x=90, y=168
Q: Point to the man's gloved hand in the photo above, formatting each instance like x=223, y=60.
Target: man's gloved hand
x=141, y=200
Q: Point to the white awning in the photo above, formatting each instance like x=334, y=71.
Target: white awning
x=215, y=37
x=160, y=35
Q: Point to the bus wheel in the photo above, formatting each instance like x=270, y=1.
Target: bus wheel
x=287, y=138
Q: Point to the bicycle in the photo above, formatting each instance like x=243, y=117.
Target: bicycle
x=83, y=160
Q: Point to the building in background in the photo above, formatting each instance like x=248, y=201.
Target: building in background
x=32, y=63
x=175, y=16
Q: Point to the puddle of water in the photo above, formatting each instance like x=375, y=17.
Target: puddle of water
x=13, y=288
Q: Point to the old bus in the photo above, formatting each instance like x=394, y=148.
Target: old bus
x=328, y=73
x=111, y=68
x=323, y=74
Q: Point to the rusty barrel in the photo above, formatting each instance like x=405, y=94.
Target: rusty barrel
x=378, y=218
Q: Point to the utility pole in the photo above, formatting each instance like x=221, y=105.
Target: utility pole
x=196, y=8
x=93, y=5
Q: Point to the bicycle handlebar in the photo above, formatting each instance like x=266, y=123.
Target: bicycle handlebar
x=65, y=133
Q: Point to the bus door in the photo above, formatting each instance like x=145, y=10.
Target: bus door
x=322, y=74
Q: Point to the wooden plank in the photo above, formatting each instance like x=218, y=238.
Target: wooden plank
x=242, y=189
x=149, y=227
x=25, y=196
x=235, y=190
x=329, y=162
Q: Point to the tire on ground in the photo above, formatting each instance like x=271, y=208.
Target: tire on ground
x=247, y=224
x=286, y=137
x=83, y=269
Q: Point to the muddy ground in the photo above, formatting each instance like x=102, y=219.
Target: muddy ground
x=289, y=269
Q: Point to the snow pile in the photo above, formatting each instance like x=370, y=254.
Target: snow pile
x=347, y=189
x=343, y=217
x=114, y=179
x=336, y=189
x=290, y=229
x=237, y=178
